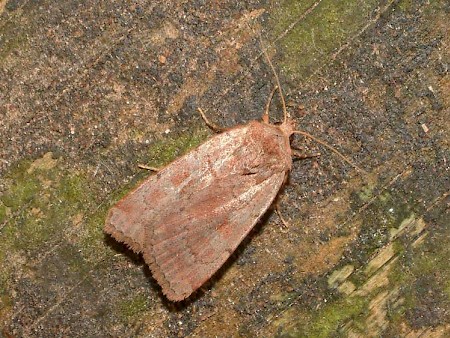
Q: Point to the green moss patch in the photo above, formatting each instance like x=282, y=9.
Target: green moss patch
x=327, y=321
x=423, y=274
x=164, y=151
x=321, y=32
x=132, y=307
x=43, y=202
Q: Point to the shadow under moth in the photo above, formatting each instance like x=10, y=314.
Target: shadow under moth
x=189, y=217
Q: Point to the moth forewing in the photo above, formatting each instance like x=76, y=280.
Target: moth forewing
x=196, y=211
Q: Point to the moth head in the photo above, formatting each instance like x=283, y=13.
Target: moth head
x=288, y=127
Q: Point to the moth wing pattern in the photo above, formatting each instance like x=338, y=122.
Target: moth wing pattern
x=126, y=221
x=186, y=253
x=189, y=217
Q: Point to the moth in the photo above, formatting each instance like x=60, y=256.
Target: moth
x=189, y=217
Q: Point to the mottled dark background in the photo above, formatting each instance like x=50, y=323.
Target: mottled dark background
x=90, y=89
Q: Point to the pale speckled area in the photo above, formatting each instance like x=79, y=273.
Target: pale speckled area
x=90, y=90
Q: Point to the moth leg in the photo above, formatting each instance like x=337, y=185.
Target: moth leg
x=213, y=126
x=285, y=223
x=303, y=156
x=265, y=117
x=146, y=167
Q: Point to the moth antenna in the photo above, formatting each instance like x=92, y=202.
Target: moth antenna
x=266, y=111
x=283, y=102
x=211, y=125
x=334, y=150
x=146, y=167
